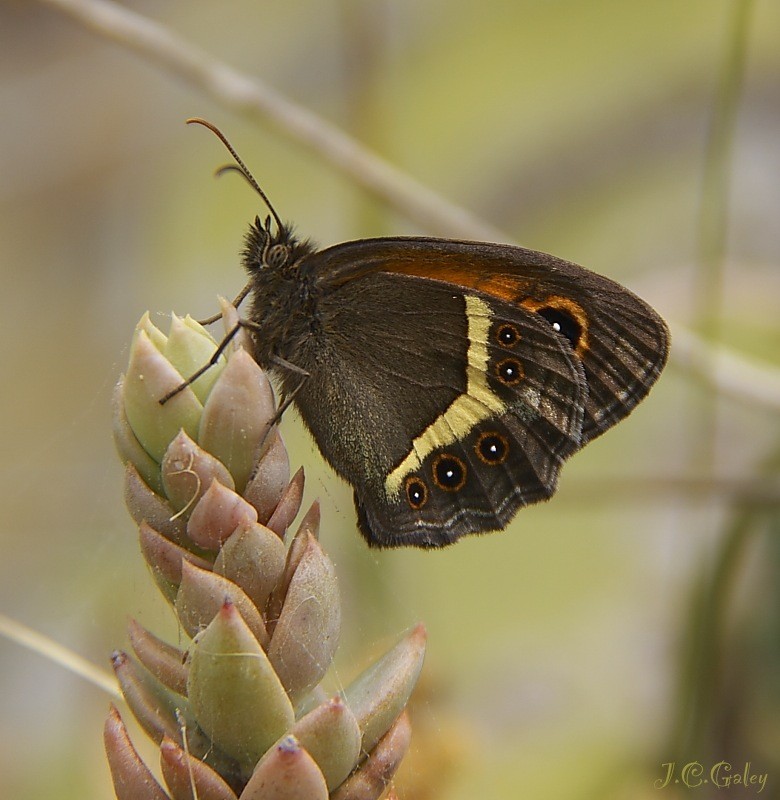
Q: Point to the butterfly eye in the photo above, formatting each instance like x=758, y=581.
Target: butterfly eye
x=508, y=335
x=278, y=255
x=449, y=473
x=563, y=322
x=416, y=492
x=492, y=448
x=510, y=371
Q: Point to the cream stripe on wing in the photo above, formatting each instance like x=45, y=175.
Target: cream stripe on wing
x=467, y=410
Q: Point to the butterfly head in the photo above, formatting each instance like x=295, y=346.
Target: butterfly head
x=282, y=298
x=273, y=249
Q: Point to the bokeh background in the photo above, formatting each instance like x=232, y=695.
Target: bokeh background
x=631, y=622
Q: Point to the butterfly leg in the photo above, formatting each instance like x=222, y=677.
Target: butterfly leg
x=289, y=396
x=229, y=336
x=240, y=297
x=290, y=367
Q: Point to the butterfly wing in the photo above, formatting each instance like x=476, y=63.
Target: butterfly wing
x=445, y=409
x=620, y=340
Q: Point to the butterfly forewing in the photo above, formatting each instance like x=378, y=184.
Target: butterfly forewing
x=628, y=345
x=622, y=344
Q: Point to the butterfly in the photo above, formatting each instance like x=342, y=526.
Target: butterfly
x=446, y=381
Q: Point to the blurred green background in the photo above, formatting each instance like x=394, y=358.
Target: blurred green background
x=631, y=622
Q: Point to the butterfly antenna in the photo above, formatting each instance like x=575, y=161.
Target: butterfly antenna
x=241, y=167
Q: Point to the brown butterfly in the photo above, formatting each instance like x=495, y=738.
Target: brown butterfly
x=446, y=381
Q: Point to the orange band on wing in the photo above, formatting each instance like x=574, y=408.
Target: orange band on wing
x=503, y=286
x=509, y=288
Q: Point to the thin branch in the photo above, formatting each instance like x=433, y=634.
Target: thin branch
x=253, y=98
x=56, y=653
x=728, y=372
x=714, y=210
x=714, y=214
x=732, y=374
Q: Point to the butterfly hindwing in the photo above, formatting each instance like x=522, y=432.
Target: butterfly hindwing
x=519, y=472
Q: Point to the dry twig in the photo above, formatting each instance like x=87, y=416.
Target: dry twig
x=728, y=372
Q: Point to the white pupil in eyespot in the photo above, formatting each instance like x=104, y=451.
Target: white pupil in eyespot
x=557, y=326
